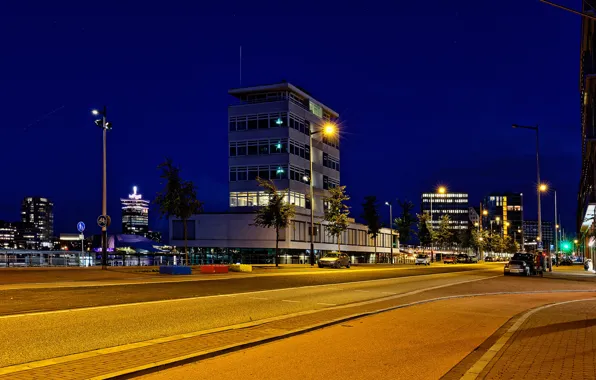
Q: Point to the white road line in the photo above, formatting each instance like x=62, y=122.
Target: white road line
x=326, y=304
x=258, y=298
x=479, y=366
x=438, y=275
x=289, y=301
x=388, y=293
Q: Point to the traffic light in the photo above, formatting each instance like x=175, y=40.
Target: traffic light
x=566, y=246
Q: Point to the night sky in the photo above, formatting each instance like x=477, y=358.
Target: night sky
x=427, y=92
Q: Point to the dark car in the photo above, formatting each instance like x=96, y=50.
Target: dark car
x=461, y=258
x=566, y=261
x=530, y=259
x=517, y=267
x=489, y=259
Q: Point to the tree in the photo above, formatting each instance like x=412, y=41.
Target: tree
x=178, y=198
x=444, y=233
x=464, y=238
x=276, y=214
x=511, y=245
x=370, y=213
x=425, y=233
x=496, y=243
x=480, y=240
x=405, y=222
x=336, y=215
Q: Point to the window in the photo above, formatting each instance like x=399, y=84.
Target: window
x=252, y=122
x=263, y=147
x=253, y=149
x=253, y=172
x=263, y=121
x=241, y=149
x=232, y=149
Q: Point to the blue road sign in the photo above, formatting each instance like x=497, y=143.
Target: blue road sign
x=539, y=245
x=81, y=227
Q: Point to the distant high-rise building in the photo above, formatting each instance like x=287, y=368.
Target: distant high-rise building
x=135, y=214
x=454, y=205
x=40, y=213
x=531, y=233
x=7, y=234
x=505, y=211
x=28, y=236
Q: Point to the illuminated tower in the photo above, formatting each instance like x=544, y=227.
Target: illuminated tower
x=135, y=214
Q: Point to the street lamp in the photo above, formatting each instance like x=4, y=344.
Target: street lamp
x=391, y=227
x=328, y=130
x=105, y=126
x=535, y=128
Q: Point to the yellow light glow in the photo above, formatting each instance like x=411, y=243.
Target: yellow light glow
x=476, y=224
x=543, y=187
x=507, y=224
x=484, y=212
x=576, y=241
x=329, y=129
x=441, y=190
x=497, y=218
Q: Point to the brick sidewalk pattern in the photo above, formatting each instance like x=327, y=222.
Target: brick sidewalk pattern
x=555, y=343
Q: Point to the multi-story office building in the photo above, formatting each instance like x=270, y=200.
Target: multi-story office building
x=530, y=228
x=135, y=214
x=454, y=205
x=8, y=233
x=269, y=138
x=29, y=236
x=40, y=213
x=269, y=133
x=505, y=214
x=586, y=208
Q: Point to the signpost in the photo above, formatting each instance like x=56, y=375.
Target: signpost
x=81, y=229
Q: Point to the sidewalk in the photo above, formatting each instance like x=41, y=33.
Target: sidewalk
x=558, y=342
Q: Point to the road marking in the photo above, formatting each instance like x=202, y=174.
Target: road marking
x=362, y=291
x=293, y=301
x=326, y=304
x=258, y=298
x=439, y=275
x=388, y=293
x=93, y=353
x=479, y=366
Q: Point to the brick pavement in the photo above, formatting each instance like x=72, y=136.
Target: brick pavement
x=554, y=343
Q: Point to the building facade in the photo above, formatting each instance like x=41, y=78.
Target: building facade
x=586, y=208
x=8, y=233
x=504, y=215
x=39, y=212
x=135, y=214
x=454, y=205
x=270, y=129
x=530, y=228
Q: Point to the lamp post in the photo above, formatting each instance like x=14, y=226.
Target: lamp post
x=523, y=241
x=391, y=227
x=105, y=126
x=535, y=128
x=329, y=130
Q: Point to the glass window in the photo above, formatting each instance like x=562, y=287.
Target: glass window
x=233, y=199
x=264, y=172
x=241, y=149
x=232, y=125
x=253, y=149
x=232, y=175
x=252, y=199
x=263, y=198
x=252, y=124
x=242, y=199
x=241, y=174
x=232, y=149
x=264, y=147
x=241, y=124
x=263, y=122
x=275, y=146
x=253, y=172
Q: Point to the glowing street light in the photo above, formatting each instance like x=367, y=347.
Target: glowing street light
x=543, y=187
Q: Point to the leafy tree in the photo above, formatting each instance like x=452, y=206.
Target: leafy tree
x=425, y=233
x=464, y=238
x=405, y=222
x=370, y=213
x=511, y=245
x=479, y=240
x=277, y=214
x=178, y=198
x=497, y=243
x=444, y=233
x=336, y=215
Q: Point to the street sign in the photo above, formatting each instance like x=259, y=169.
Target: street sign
x=102, y=221
x=539, y=244
x=81, y=227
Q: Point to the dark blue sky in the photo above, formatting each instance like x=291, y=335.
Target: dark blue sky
x=427, y=92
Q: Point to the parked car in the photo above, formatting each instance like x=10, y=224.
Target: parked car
x=422, y=260
x=449, y=259
x=531, y=260
x=334, y=260
x=461, y=258
x=566, y=261
x=517, y=267
x=489, y=259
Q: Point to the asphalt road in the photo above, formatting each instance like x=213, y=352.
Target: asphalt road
x=418, y=342
x=43, y=335
x=41, y=299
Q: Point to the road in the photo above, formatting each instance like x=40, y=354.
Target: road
x=39, y=324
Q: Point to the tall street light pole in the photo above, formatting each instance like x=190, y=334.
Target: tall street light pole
x=538, y=183
x=105, y=126
x=391, y=227
x=329, y=130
